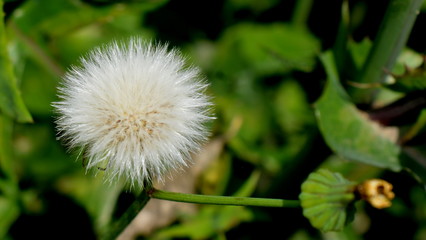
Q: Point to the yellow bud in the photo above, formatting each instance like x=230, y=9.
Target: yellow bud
x=377, y=192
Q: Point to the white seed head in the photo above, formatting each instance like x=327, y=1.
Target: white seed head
x=136, y=109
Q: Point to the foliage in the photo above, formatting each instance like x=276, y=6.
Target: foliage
x=325, y=198
x=297, y=86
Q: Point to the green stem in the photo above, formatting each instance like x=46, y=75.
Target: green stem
x=117, y=227
x=301, y=12
x=391, y=38
x=222, y=200
x=341, y=44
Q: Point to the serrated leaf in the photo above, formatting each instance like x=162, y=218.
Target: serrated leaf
x=347, y=131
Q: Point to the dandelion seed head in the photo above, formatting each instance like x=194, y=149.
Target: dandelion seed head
x=138, y=109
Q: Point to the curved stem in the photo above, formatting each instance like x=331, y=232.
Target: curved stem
x=222, y=200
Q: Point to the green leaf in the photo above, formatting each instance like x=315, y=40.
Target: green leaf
x=409, y=83
x=293, y=110
x=267, y=49
x=11, y=102
x=6, y=164
x=347, y=131
x=209, y=222
x=276, y=128
x=56, y=33
x=9, y=212
x=351, y=169
x=409, y=73
x=37, y=80
x=59, y=18
x=359, y=52
x=418, y=127
x=256, y=6
x=296, y=121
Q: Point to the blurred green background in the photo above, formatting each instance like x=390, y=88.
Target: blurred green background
x=261, y=60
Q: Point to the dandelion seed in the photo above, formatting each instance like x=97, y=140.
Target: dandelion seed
x=136, y=109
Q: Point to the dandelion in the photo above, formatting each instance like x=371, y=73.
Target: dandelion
x=137, y=109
